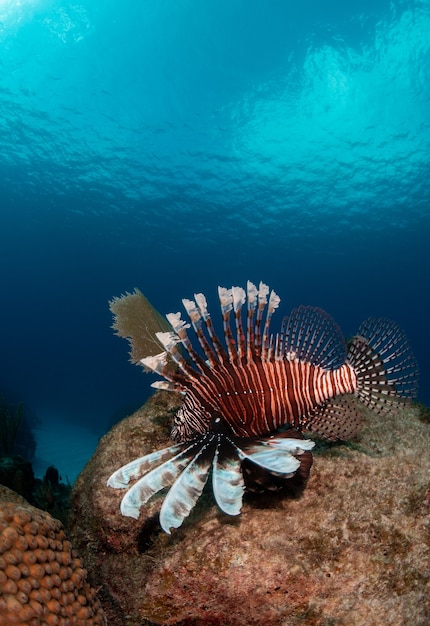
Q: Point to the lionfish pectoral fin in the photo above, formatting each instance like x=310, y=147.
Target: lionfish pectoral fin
x=155, y=480
x=138, y=467
x=227, y=481
x=340, y=418
x=186, y=489
x=278, y=460
x=295, y=446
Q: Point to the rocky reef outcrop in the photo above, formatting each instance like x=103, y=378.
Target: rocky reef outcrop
x=352, y=549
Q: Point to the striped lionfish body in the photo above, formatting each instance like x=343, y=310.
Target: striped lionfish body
x=248, y=401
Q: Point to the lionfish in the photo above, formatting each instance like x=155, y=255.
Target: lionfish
x=248, y=401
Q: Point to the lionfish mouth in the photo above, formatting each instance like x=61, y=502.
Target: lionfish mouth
x=184, y=468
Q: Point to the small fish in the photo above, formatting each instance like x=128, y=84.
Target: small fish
x=248, y=401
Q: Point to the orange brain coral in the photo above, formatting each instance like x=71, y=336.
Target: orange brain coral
x=42, y=581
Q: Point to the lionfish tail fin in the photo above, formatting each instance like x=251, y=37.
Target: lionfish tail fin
x=385, y=367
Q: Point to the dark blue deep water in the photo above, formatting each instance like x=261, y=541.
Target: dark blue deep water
x=175, y=145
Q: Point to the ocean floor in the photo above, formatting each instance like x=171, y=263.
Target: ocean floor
x=64, y=444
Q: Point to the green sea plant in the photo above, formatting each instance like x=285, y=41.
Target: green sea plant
x=10, y=422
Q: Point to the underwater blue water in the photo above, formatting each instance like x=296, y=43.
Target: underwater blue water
x=175, y=145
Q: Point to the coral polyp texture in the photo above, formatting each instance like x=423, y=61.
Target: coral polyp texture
x=42, y=581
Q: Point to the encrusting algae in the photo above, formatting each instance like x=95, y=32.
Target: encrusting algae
x=42, y=581
x=353, y=549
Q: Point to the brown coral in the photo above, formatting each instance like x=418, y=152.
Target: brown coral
x=42, y=581
x=353, y=550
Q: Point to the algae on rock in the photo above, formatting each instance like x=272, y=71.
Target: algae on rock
x=352, y=550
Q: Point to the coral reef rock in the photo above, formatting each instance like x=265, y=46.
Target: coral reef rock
x=352, y=549
x=42, y=581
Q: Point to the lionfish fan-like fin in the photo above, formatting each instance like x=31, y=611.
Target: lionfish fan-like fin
x=295, y=446
x=138, y=467
x=302, y=450
x=386, y=369
x=339, y=418
x=310, y=334
x=157, y=479
x=185, y=491
x=227, y=480
x=276, y=460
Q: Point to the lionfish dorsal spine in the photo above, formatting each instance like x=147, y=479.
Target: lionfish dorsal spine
x=268, y=346
x=239, y=298
x=252, y=295
x=202, y=304
x=180, y=329
x=156, y=363
x=159, y=363
x=226, y=303
x=195, y=316
x=263, y=291
x=169, y=341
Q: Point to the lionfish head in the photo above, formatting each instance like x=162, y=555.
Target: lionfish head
x=208, y=444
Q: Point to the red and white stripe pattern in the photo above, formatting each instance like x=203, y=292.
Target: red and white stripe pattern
x=260, y=382
x=239, y=394
x=257, y=399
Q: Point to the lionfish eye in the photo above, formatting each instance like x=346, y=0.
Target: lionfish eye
x=219, y=426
